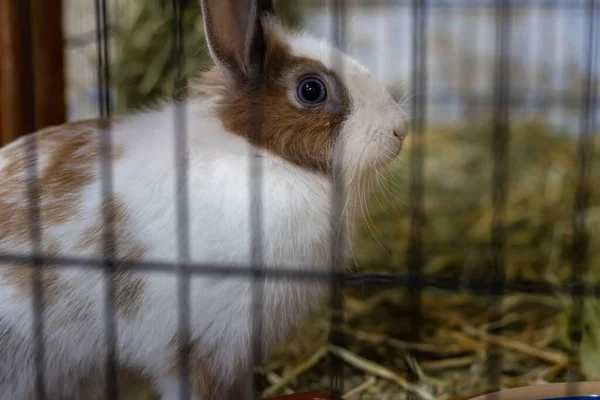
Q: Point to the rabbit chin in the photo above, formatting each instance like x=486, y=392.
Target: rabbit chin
x=361, y=147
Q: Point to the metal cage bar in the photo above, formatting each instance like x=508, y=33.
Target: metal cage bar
x=182, y=198
x=492, y=285
x=110, y=250
x=585, y=153
x=336, y=336
x=500, y=140
x=33, y=193
x=415, y=256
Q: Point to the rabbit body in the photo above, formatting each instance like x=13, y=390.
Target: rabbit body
x=297, y=229
x=296, y=233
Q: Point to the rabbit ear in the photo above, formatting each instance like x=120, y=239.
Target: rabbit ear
x=235, y=35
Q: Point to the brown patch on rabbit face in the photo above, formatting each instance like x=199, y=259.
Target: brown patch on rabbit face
x=203, y=381
x=70, y=155
x=129, y=288
x=301, y=135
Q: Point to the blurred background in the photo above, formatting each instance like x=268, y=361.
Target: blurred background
x=532, y=108
x=547, y=52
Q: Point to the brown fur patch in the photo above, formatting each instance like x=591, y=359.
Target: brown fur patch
x=132, y=384
x=21, y=277
x=302, y=136
x=129, y=288
x=71, y=151
x=202, y=379
x=89, y=384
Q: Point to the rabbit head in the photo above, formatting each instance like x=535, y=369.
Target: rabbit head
x=296, y=96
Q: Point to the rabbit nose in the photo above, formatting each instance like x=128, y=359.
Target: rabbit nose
x=400, y=133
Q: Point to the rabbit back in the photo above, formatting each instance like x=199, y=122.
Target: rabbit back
x=144, y=222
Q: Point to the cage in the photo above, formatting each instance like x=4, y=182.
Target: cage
x=475, y=267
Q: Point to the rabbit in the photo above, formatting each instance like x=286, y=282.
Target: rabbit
x=326, y=123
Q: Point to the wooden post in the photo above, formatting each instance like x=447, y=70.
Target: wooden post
x=49, y=65
x=31, y=67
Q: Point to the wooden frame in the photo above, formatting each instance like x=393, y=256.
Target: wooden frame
x=32, y=67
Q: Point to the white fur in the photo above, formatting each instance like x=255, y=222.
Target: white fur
x=297, y=233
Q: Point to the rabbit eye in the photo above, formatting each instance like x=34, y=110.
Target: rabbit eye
x=312, y=91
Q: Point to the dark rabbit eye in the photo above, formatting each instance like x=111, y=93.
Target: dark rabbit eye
x=312, y=91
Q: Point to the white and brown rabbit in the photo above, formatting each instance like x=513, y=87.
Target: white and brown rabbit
x=323, y=116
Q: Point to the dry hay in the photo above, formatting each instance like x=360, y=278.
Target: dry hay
x=449, y=355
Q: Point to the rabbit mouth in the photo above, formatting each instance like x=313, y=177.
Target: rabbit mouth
x=400, y=147
x=393, y=152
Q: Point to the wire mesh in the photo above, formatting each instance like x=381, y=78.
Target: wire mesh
x=494, y=284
